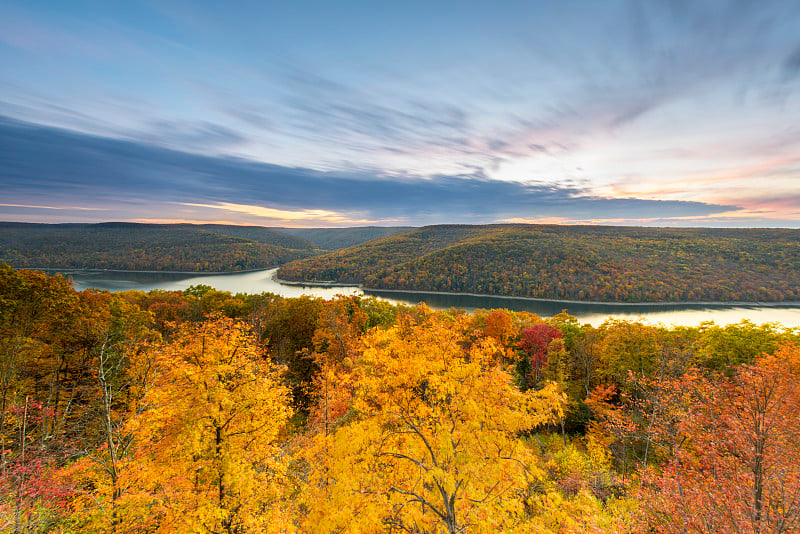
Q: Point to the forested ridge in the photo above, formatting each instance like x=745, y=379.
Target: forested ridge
x=156, y=247
x=203, y=411
x=337, y=238
x=614, y=264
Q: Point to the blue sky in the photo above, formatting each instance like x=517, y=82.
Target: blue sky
x=401, y=113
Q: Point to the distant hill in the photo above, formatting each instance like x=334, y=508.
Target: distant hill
x=614, y=264
x=157, y=247
x=338, y=238
x=260, y=234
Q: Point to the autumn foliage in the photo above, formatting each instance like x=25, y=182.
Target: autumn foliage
x=431, y=440
x=160, y=247
x=534, y=343
x=739, y=467
x=203, y=411
x=601, y=263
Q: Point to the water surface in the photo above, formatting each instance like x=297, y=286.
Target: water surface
x=244, y=282
x=593, y=313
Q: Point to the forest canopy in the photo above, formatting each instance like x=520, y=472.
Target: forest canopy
x=148, y=247
x=205, y=411
x=598, y=263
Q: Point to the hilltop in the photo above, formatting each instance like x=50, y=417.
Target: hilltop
x=600, y=263
x=338, y=238
x=159, y=247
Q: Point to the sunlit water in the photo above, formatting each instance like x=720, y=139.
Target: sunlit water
x=246, y=282
x=595, y=314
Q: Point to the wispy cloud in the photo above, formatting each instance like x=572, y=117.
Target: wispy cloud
x=190, y=135
x=20, y=29
x=558, y=111
x=47, y=166
x=70, y=208
x=280, y=217
x=764, y=217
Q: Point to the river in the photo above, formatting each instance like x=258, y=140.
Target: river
x=593, y=313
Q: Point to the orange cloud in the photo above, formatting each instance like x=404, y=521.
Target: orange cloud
x=688, y=186
x=278, y=216
x=539, y=220
x=184, y=221
x=733, y=217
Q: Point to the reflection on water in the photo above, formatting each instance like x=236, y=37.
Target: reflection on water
x=596, y=314
x=262, y=281
x=247, y=282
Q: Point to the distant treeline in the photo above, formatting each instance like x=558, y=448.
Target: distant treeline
x=170, y=247
x=621, y=264
x=337, y=238
x=160, y=247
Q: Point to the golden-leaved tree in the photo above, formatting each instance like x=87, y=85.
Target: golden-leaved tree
x=207, y=455
x=431, y=440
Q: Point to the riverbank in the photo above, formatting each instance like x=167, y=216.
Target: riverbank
x=760, y=304
x=786, y=304
x=316, y=283
x=264, y=281
x=333, y=284
x=100, y=271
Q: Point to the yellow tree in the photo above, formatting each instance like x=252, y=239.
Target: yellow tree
x=431, y=442
x=123, y=373
x=628, y=346
x=208, y=455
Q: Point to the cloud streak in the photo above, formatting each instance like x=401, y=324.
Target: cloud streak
x=288, y=217
x=558, y=111
x=46, y=166
x=29, y=206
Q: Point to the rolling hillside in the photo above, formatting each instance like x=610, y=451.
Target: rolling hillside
x=338, y=238
x=158, y=247
x=614, y=264
x=259, y=234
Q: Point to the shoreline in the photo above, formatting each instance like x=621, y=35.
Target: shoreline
x=88, y=270
x=760, y=304
x=333, y=284
x=323, y=283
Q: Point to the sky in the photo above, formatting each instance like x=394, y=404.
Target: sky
x=311, y=114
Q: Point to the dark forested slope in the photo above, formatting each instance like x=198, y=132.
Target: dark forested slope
x=162, y=247
x=259, y=234
x=337, y=238
x=574, y=262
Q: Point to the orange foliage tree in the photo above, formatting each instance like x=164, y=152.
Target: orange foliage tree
x=740, y=469
x=337, y=343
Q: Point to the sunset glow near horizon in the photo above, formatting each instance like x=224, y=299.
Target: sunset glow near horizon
x=663, y=113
